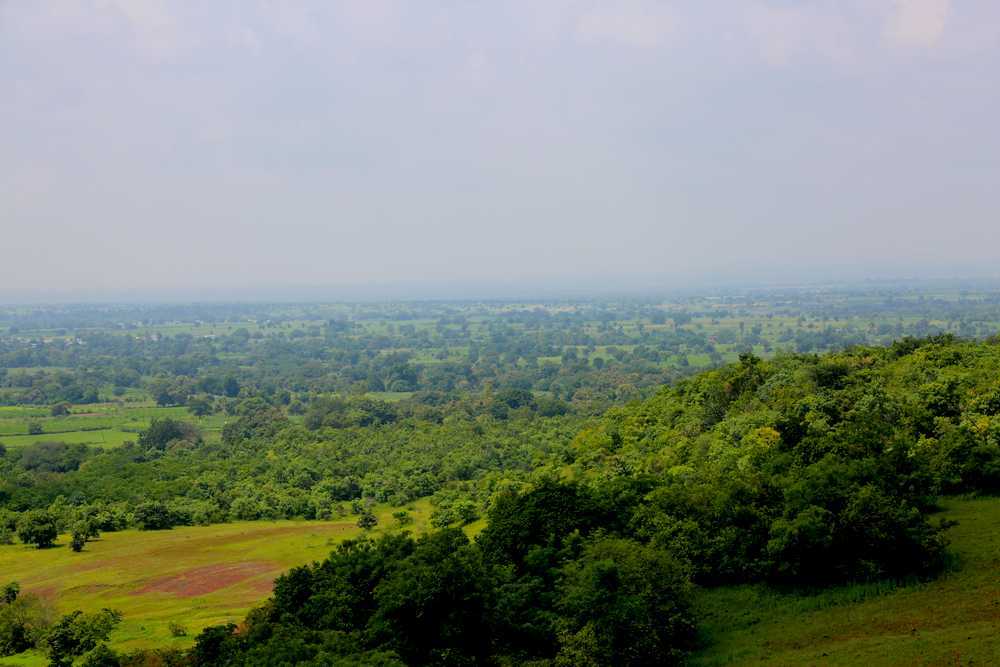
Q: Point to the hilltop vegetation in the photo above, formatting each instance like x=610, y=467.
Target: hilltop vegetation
x=565, y=527
x=799, y=471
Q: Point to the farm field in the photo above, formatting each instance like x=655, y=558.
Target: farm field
x=952, y=620
x=195, y=576
x=100, y=425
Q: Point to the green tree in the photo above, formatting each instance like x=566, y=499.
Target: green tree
x=10, y=592
x=162, y=431
x=37, y=527
x=24, y=622
x=623, y=603
x=79, y=539
x=77, y=633
x=153, y=515
x=367, y=520
x=101, y=656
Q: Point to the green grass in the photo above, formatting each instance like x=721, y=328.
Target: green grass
x=952, y=620
x=196, y=576
x=101, y=424
x=98, y=438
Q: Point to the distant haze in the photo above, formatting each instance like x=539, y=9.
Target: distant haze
x=225, y=146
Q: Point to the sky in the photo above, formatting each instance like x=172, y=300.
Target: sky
x=148, y=145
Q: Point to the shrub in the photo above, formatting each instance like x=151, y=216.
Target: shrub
x=24, y=622
x=153, y=515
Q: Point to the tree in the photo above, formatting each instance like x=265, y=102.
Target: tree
x=624, y=603
x=79, y=538
x=213, y=644
x=162, y=432
x=76, y=633
x=10, y=592
x=432, y=605
x=367, y=520
x=200, y=405
x=152, y=515
x=37, y=527
x=231, y=387
x=102, y=656
x=60, y=410
x=35, y=428
x=24, y=622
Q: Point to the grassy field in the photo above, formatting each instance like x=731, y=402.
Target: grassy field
x=195, y=576
x=953, y=620
x=100, y=424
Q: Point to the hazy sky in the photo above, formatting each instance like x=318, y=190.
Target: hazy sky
x=151, y=144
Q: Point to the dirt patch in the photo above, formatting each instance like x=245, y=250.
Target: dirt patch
x=202, y=580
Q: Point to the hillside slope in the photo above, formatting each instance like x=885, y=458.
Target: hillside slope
x=953, y=620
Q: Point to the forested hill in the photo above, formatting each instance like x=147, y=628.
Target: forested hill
x=801, y=470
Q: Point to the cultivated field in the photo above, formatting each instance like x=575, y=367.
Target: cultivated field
x=99, y=425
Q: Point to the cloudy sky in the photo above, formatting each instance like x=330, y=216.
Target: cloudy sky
x=150, y=144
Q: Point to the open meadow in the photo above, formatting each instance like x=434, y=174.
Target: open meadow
x=186, y=578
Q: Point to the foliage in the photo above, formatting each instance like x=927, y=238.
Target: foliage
x=77, y=633
x=37, y=527
x=24, y=621
x=152, y=515
x=165, y=432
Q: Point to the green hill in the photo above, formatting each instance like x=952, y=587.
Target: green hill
x=951, y=620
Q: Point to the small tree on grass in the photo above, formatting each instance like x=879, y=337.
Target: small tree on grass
x=402, y=518
x=10, y=592
x=78, y=541
x=34, y=428
x=367, y=520
x=37, y=527
x=60, y=409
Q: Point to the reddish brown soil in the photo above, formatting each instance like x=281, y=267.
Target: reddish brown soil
x=202, y=580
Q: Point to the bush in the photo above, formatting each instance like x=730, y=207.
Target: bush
x=60, y=409
x=153, y=515
x=24, y=623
